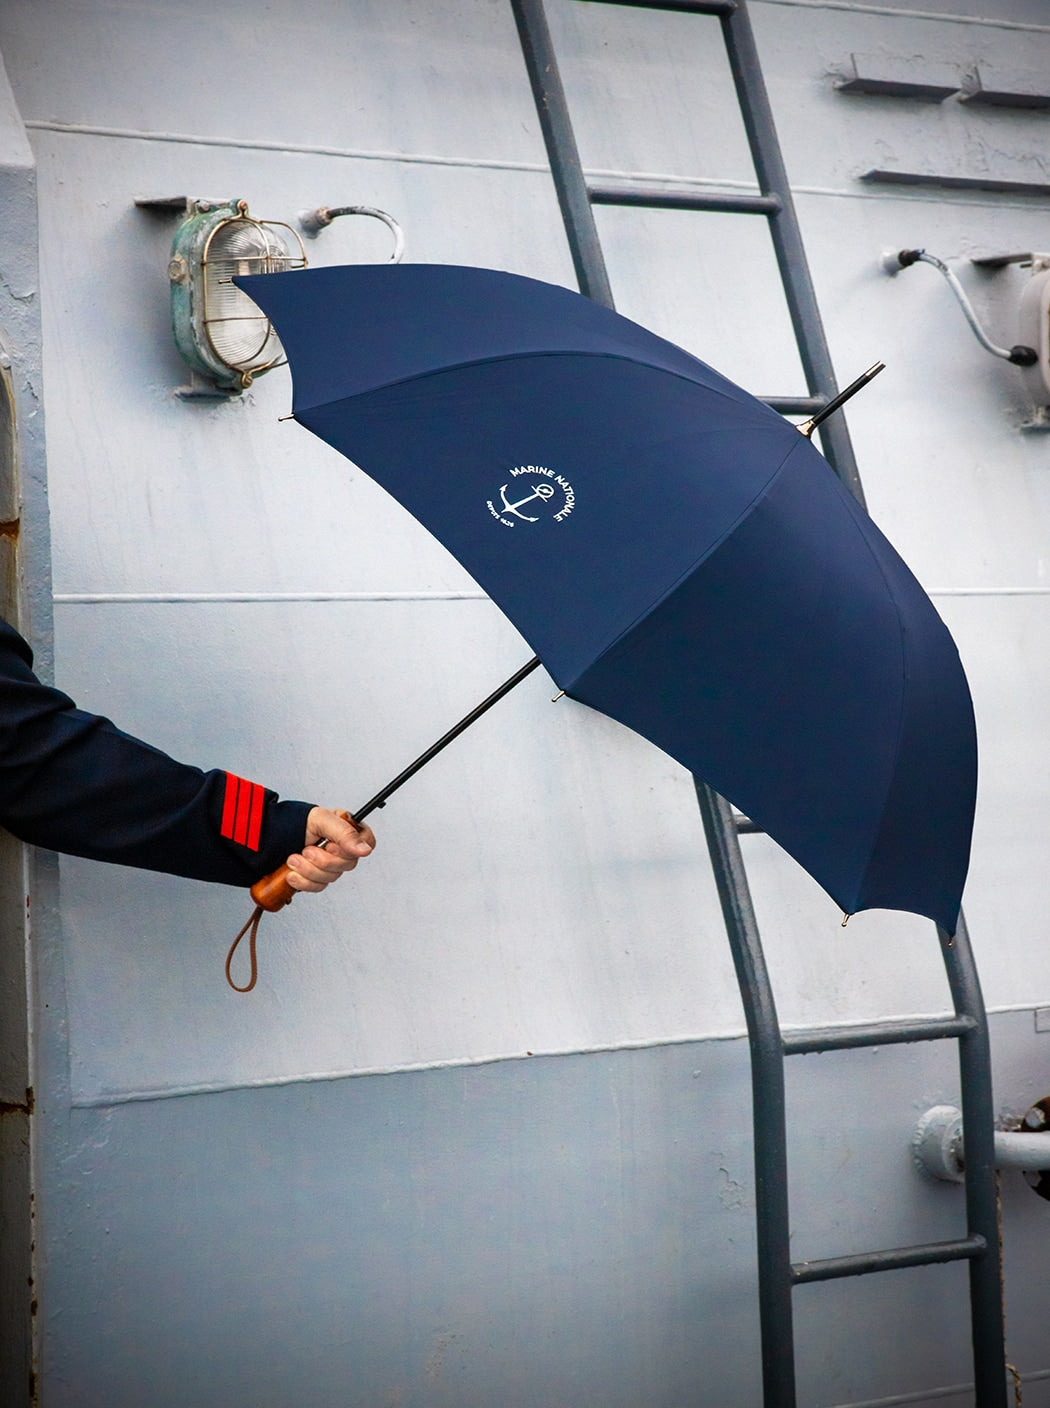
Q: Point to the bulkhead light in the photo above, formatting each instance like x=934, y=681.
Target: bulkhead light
x=219, y=330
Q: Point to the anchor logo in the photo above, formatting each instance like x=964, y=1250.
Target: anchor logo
x=545, y=485
x=539, y=491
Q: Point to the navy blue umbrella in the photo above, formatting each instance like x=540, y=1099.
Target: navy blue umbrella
x=678, y=556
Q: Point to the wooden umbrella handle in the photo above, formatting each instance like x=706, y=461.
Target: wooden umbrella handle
x=273, y=891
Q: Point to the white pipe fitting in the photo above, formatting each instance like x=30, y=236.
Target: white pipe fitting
x=938, y=1145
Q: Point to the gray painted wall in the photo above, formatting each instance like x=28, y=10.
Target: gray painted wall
x=354, y=1186
x=25, y=594
x=573, y=1230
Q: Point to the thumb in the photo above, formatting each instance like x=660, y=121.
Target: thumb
x=337, y=829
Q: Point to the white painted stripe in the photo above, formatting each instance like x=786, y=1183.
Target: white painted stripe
x=892, y=11
x=125, y=1097
x=681, y=183
x=172, y=1092
x=134, y=598
x=964, y=1391
x=988, y=591
x=176, y=597
x=203, y=139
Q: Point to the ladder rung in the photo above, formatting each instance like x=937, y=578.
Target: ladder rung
x=924, y=1254
x=690, y=7
x=660, y=198
x=878, y=1034
x=795, y=405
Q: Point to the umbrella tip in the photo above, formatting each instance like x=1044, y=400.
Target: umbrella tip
x=846, y=919
x=808, y=426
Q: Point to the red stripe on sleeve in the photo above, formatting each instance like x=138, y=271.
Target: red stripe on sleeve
x=242, y=811
x=244, y=797
x=255, y=817
x=229, y=806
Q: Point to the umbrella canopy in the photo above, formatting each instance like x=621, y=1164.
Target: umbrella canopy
x=677, y=555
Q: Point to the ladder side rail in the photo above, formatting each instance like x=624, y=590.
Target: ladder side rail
x=787, y=406
x=974, y=1049
x=767, y=1045
x=787, y=239
x=982, y=1204
x=767, y=1057
x=562, y=151
x=769, y=1111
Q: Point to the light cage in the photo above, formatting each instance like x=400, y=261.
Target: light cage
x=218, y=329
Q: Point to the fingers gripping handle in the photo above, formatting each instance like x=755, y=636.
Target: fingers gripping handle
x=274, y=891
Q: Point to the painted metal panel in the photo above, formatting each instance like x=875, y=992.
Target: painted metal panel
x=1003, y=644
x=576, y=1229
x=23, y=544
x=948, y=473
x=512, y=904
x=423, y=76
x=614, y=60
x=569, y=1230
x=197, y=497
x=830, y=137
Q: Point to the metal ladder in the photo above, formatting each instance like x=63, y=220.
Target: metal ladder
x=777, y=1274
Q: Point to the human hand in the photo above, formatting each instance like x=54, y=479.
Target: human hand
x=346, y=843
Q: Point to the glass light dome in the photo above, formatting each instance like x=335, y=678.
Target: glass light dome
x=241, y=336
x=220, y=332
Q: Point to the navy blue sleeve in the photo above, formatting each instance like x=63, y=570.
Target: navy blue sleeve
x=74, y=782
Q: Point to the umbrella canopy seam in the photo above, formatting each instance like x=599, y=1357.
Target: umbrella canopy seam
x=705, y=556
x=897, y=749
x=501, y=358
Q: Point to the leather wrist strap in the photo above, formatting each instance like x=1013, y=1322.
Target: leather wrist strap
x=252, y=930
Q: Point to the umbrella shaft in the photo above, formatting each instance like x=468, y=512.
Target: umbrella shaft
x=379, y=800
x=807, y=427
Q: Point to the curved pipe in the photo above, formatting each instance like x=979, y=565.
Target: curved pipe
x=312, y=222
x=1020, y=356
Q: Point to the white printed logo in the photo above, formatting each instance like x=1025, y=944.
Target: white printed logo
x=539, y=493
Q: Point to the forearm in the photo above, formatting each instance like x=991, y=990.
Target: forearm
x=73, y=782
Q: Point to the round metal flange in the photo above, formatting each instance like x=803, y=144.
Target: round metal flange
x=1036, y=1120
x=938, y=1143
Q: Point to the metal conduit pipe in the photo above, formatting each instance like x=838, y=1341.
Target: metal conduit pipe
x=1015, y=1149
x=312, y=222
x=893, y=261
x=938, y=1145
